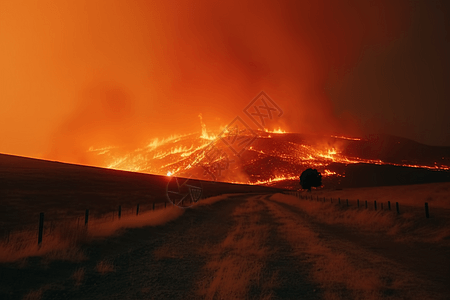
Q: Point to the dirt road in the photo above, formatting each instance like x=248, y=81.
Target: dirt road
x=244, y=247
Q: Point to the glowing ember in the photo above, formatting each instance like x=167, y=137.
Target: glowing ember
x=346, y=138
x=328, y=173
x=169, y=173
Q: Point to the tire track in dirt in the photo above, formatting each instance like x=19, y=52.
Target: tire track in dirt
x=292, y=272
x=235, y=265
x=254, y=261
x=344, y=269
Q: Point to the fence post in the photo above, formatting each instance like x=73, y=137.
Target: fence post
x=137, y=210
x=396, y=206
x=339, y=200
x=427, y=213
x=375, y=205
x=346, y=201
x=357, y=202
x=41, y=227
x=366, y=204
x=86, y=217
x=389, y=205
x=120, y=211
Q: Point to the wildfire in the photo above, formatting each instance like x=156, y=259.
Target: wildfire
x=328, y=173
x=346, y=138
x=279, y=130
x=189, y=154
x=273, y=180
x=205, y=134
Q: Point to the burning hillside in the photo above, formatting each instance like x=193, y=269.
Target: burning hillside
x=269, y=157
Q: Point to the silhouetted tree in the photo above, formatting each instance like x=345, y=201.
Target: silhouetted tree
x=310, y=178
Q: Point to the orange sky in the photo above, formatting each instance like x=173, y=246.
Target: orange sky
x=77, y=74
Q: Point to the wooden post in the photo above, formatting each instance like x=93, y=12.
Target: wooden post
x=339, y=200
x=427, y=213
x=120, y=211
x=346, y=201
x=86, y=217
x=137, y=210
x=396, y=206
x=357, y=202
x=375, y=205
x=41, y=228
x=389, y=205
x=366, y=204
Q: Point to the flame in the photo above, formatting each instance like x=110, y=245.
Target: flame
x=279, y=130
x=185, y=153
x=346, y=138
x=205, y=134
x=273, y=180
x=328, y=173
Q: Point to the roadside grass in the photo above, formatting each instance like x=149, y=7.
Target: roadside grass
x=78, y=276
x=34, y=295
x=408, y=226
x=104, y=267
x=65, y=242
x=235, y=265
x=436, y=194
x=340, y=276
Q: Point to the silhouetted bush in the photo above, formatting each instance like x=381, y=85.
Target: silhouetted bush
x=310, y=178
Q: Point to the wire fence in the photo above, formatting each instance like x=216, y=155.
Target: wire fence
x=374, y=205
x=47, y=226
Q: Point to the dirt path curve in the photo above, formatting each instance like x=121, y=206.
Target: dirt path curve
x=242, y=247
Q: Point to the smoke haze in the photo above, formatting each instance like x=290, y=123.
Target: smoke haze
x=96, y=74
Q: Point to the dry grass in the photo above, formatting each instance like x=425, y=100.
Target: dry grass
x=406, y=226
x=211, y=200
x=63, y=243
x=168, y=251
x=436, y=194
x=78, y=276
x=236, y=264
x=104, y=267
x=341, y=275
x=34, y=295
